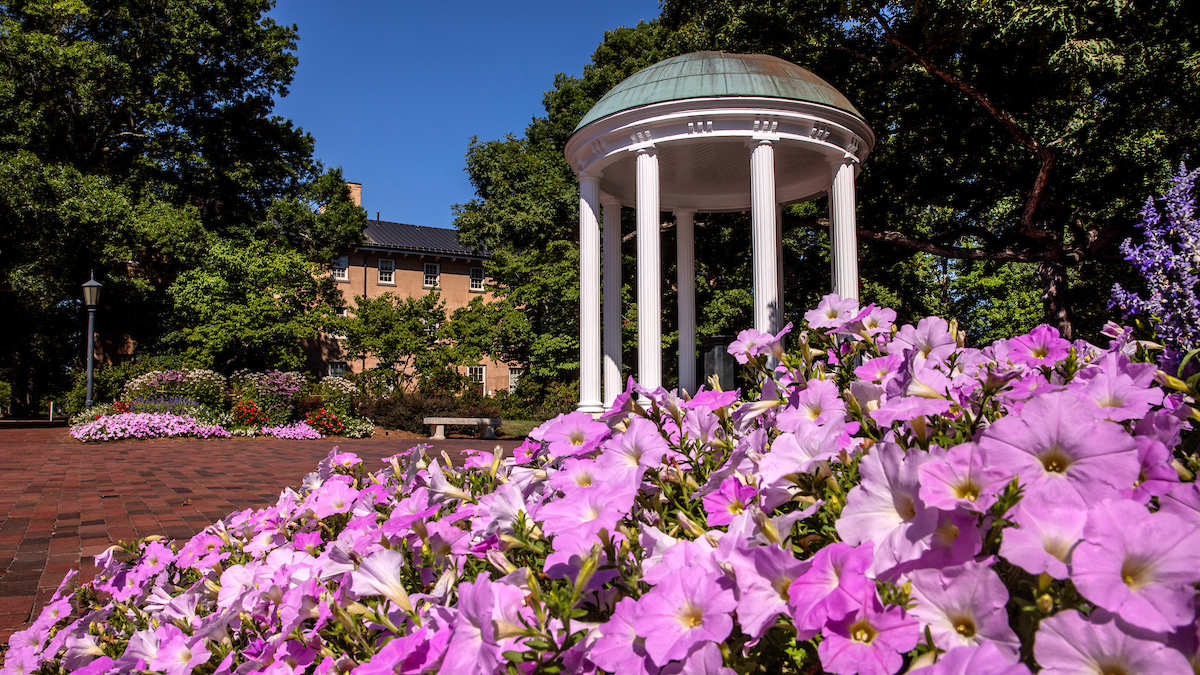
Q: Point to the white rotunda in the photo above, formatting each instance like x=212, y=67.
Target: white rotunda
x=704, y=132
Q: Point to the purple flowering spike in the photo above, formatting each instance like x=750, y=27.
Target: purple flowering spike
x=1069, y=643
x=832, y=588
x=473, y=649
x=984, y=659
x=1144, y=572
x=963, y=606
x=619, y=649
x=870, y=641
x=684, y=610
x=962, y=480
x=885, y=508
x=1057, y=446
x=1045, y=536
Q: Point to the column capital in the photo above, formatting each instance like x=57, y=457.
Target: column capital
x=757, y=141
x=684, y=211
x=647, y=150
x=608, y=200
x=586, y=175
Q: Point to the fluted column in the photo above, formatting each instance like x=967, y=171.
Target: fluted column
x=779, y=260
x=764, y=237
x=613, y=354
x=686, y=265
x=589, y=294
x=649, y=294
x=843, y=229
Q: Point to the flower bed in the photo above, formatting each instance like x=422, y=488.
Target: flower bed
x=889, y=501
x=296, y=431
x=144, y=425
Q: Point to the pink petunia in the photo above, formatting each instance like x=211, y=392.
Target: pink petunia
x=831, y=312
x=832, y=588
x=1045, y=537
x=574, y=434
x=1069, y=644
x=1056, y=446
x=763, y=576
x=682, y=611
x=619, y=649
x=930, y=339
x=982, y=659
x=886, y=509
x=728, y=501
x=1139, y=565
x=870, y=641
x=473, y=649
x=818, y=403
x=963, y=606
x=962, y=480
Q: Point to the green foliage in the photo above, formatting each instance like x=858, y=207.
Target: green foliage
x=401, y=333
x=108, y=381
x=247, y=306
x=971, y=103
x=131, y=133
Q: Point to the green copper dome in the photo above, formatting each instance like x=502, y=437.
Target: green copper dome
x=711, y=74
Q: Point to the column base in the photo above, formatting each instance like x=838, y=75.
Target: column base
x=592, y=408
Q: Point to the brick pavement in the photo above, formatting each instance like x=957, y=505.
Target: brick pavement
x=62, y=502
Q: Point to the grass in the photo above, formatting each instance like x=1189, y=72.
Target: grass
x=517, y=428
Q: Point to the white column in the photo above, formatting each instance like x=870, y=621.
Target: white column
x=765, y=237
x=779, y=260
x=649, y=295
x=843, y=230
x=589, y=294
x=685, y=263
x=613, y=385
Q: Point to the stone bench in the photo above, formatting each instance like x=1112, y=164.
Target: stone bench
x=487, y=425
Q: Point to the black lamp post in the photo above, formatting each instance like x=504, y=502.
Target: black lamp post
x=91, y=298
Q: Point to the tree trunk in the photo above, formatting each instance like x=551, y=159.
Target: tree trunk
x=1055, y=303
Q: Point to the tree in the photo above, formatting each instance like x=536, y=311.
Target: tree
x=1024, y=131
x=131, y=131
x=248, y=306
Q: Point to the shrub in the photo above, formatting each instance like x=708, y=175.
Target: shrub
x=324, y=421
x=248, y=414
x=108, y=381
x=357, y=427
x=202, y=386
x=274, y=391
x=407, y=411
x=338, y=394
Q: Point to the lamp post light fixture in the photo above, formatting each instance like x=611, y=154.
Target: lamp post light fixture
x=91, y=298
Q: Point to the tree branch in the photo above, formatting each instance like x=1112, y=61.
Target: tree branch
x=1002, y=116
x=1006, y=254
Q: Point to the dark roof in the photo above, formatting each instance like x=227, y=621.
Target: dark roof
x=416, y=238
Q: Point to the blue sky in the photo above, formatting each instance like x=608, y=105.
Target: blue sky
x=393, y=91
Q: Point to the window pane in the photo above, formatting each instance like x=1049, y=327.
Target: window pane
x=387, y=269
x=514, y=378
x=431, y=274
x=477, y=278
x=337, y=370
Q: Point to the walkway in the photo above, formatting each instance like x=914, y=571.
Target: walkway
x=62, y=502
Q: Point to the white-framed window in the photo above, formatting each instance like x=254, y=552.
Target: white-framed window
x=337, y=369
x=342, y=312
x=514, y=378
x=477, y=373
x=477, y=279
x=433, y=275
x=387, y=271
x=341, y=268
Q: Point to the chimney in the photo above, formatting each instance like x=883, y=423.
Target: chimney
x=355, y=193
x=376, y=215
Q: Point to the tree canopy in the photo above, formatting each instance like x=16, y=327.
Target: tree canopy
x=134, y=137
x=1015, y=142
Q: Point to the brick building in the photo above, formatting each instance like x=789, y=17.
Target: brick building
x=411, y=260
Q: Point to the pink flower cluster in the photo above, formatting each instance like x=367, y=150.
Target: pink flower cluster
x=144, y=425
x=887, y=500
x=296, y=431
